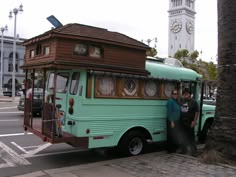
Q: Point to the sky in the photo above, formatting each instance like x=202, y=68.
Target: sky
x=139, y=19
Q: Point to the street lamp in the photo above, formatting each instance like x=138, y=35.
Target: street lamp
x=15, y=12
x=1, y=75
x=150, y=40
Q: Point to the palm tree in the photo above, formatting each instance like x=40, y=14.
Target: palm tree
x=221, y=141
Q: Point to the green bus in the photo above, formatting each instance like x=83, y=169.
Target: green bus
x=94, y=108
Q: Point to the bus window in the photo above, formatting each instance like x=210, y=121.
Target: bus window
x=50, y=81
x=62, y=82
x=74, y=83
x=191, y=86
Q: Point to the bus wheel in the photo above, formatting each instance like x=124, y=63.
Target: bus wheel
x=133, y=143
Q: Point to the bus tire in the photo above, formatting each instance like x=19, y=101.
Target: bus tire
x=133, y=143
x=204, y=132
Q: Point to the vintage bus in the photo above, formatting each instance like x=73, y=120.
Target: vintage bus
x=113, y=104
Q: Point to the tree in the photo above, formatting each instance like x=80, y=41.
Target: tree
x=194, y=55
x=221, y=140
x=183, y=53
x=152, y=52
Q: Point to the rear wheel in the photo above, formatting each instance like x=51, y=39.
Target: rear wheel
x=133, y=143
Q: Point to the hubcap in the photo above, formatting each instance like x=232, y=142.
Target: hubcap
x=135, y=146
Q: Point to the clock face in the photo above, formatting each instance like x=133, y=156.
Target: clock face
x=168, y=89
x=150, y=88
x=189, y=27
x=175, y=26
x=106, y=85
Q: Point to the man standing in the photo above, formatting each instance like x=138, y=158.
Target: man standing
x=189, y=115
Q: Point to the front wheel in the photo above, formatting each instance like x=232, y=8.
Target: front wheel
x=133, y=143
x=204, y=132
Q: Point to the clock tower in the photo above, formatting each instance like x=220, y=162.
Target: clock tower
x=181, y=25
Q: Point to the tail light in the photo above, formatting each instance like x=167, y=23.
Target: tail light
x=71, y=103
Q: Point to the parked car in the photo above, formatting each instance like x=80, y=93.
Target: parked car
x=19, y=92
x=209, y=101
x=37, y=101
x=8, y=92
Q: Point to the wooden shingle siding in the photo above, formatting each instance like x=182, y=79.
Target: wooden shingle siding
x=116, y=52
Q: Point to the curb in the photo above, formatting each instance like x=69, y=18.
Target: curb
x=6, y=100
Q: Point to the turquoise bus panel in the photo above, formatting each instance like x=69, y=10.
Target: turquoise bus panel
x=110, y=118
x=160, y=70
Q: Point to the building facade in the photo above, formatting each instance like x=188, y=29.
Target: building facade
x=8, y=62
x=181, y=26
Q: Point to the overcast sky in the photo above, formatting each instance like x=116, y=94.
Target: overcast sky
x=139, y=19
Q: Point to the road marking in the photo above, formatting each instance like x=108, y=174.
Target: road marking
x=15, y=134
x=19, y=147
x=54, y=153
x=35, y=151
x=30, y=147
x=9, y=107
x=11, y=157
x=11, y=112
x=10, y=120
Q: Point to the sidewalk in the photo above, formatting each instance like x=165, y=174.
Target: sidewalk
x=158, y=164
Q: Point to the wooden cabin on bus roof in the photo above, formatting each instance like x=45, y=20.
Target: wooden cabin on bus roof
x=81, y=46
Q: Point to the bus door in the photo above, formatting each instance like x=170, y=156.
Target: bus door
x=61, y=97
x=74, y=93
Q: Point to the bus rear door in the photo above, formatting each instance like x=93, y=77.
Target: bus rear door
x=74, y=93
x=61, y=97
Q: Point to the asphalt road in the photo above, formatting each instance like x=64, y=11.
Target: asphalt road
x=22, y=152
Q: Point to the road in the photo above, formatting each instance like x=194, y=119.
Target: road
x=22, y=152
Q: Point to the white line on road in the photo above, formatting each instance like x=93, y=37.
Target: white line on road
x=11, y=112
x=15, y=134
x=35, y=151
x=11, y=157
x=9, y=107
x=53, y=153
x=19, y=147
x=10, y=120
x=30, y=147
